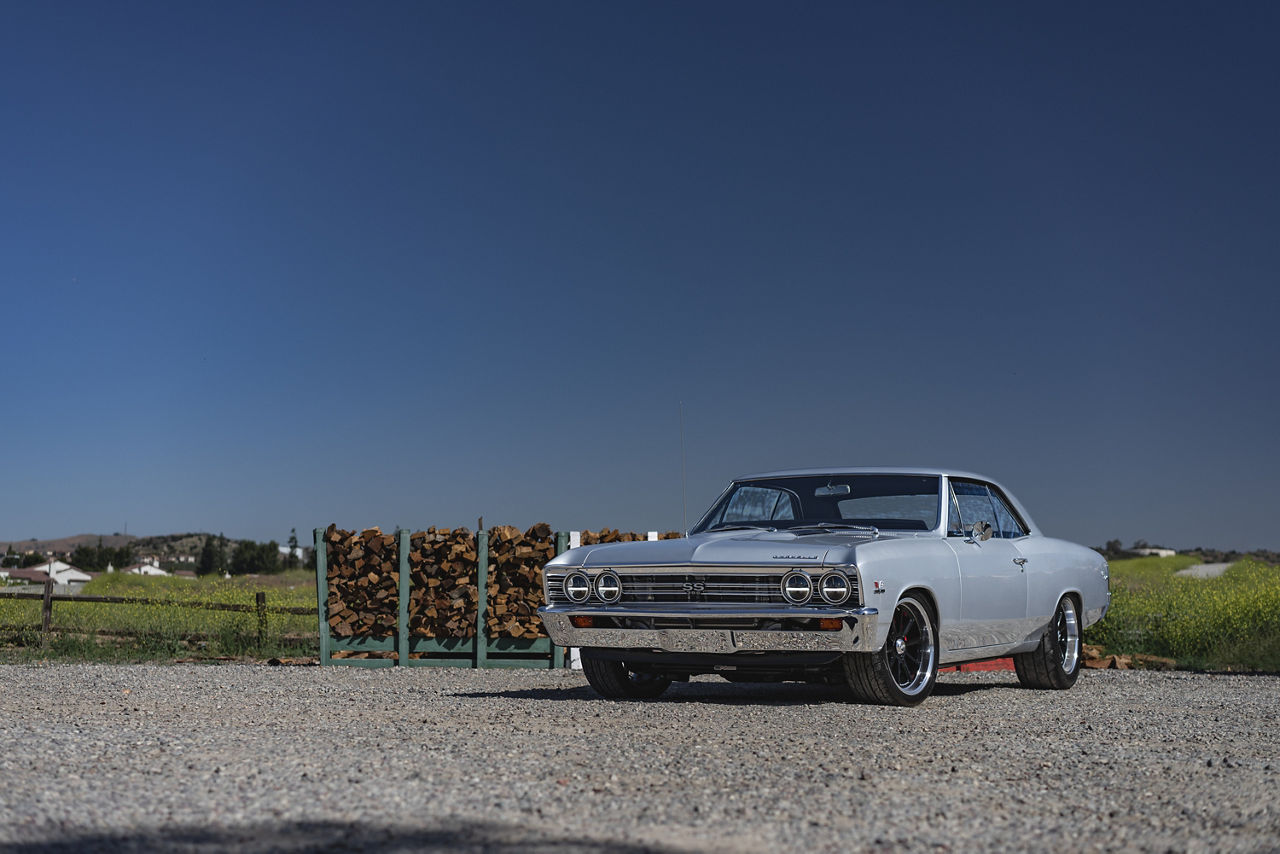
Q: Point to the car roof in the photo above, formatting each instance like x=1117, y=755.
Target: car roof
x=925, y=470
x=931, y=471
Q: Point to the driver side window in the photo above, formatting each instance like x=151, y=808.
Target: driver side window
x=975, y=504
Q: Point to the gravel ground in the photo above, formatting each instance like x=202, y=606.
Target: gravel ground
x=252, y=758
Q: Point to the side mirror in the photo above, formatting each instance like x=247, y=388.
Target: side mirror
x=979, y=531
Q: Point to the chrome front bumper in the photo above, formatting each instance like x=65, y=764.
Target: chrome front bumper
x=857, y=635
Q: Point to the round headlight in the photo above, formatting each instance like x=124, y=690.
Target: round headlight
x=797, y=588
x=834, y=587
x=577, y=586
x=609, y=587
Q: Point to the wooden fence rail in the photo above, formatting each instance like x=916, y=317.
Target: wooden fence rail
x=259, y=606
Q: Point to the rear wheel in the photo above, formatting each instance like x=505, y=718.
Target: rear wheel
x=905, y=670
x=613, y=680
x=1055, y=663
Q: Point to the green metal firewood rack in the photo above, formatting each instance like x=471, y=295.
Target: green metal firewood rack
x=478, y=651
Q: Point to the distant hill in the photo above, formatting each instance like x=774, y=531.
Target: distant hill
x=67, y=544
x=163, y=546
x=171, y=546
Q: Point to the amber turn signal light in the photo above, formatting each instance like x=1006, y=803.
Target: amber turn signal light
x=828, y=624
x=587, y=622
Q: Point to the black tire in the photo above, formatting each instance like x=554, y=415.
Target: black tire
x=1055, y=663
x=612, y=679
x=905, y=670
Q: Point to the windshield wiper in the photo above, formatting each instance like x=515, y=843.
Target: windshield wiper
x=838, y=526
x=739, y=526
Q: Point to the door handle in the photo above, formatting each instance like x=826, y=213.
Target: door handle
x=1020, y=561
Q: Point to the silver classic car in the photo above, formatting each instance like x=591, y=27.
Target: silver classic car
x=868, y=578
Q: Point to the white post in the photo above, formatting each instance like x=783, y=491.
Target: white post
x=575, y=657
x=653, y=536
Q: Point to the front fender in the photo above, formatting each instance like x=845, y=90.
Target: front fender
x=889, y=568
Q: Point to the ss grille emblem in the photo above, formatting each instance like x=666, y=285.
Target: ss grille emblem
x=693, y=587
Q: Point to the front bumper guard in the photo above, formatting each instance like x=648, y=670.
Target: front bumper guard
x=857, y=635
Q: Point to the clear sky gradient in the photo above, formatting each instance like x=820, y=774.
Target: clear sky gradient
x=271, y=265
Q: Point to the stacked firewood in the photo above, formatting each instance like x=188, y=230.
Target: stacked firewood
x=443, y=598
x=364, y=578
x=610, y=535
x=515, y=580
x=613, y=535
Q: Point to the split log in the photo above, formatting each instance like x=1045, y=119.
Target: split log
x=363, y=573
x=516, y=559
x=443, y=595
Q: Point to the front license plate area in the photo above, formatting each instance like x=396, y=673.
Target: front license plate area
x=697, y=641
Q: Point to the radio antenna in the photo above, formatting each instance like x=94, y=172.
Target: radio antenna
x=684, y=502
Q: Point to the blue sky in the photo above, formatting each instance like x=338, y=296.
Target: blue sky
x=266, y=266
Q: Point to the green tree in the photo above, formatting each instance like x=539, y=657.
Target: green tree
x=208, y=563
x=86, y=558
x=33, y=559
x=291, y=559
x=250, y=558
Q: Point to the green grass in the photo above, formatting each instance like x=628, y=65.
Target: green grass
x=1227, y=623
x=138, y=632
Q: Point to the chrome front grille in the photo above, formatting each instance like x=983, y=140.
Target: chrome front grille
x=735, y=586
x=697, y=587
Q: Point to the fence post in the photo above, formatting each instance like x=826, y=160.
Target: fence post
x=402, y=593
x=46, y=608
x=482, y=600
x=261, y=601
x=557, y=652
x=322, y=594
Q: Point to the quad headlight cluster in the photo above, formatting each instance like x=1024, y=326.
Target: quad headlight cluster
x=799, y=588
x=578, y=587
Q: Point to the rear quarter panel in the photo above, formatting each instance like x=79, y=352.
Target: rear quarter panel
x=1055, y=568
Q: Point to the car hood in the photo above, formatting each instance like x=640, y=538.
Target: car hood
x=727, y=548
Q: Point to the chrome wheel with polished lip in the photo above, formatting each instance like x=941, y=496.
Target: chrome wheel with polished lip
x=911, y=634
x=1066, y=631
x=1055, y=663
x=904, y=671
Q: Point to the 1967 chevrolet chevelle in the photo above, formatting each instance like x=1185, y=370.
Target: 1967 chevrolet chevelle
x=869, y=578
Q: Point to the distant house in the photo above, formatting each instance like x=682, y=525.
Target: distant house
x=1154, y=552
x=149, y=567
x=63, y=573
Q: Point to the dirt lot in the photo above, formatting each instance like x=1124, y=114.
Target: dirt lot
x=209, y=758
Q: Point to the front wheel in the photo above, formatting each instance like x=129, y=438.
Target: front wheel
x=905, y=670
x=1055, y=663
x=612, y=680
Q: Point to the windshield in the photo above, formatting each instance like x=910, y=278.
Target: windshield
x=890, y=502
